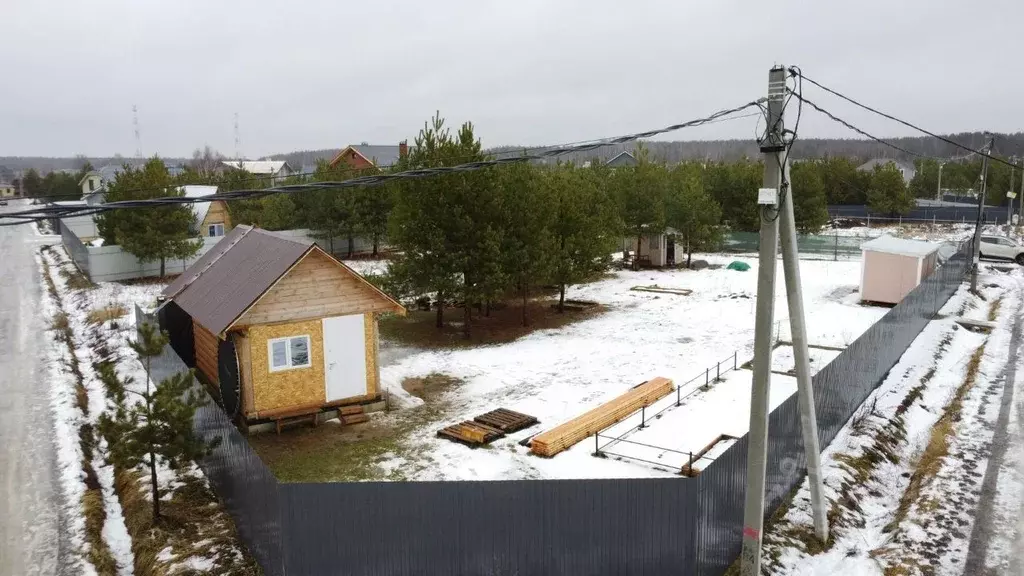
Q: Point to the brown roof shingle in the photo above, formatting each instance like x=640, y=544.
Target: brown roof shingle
x=232, y=275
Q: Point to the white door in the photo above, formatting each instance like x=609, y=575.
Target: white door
x=344, y=357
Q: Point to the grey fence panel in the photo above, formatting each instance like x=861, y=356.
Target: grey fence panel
x=572, y=527
x=73, y=244
x=968, y=214
x=247, y=488
x=840, y=388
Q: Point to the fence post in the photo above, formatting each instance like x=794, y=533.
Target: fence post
x=869, y=219
x=678, y=397
x=718, y=372
x=643, y=417
x=835, y=250
x=735, y=359
x=597, y=449
x=901, y=219
x=707, y=377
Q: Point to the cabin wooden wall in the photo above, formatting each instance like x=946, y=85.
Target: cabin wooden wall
x=218, y=213
x=293, y=388
x=316, y=287
x=206, y=348
x=243, y=350
x=372, y=367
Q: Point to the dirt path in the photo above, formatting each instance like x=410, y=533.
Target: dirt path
x=31, y=539
x=986, y=525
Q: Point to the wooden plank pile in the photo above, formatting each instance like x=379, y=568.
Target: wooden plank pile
x=691, y=469
x=563, y=436
x=508, y=421
x=662, y=290
x=470, y=433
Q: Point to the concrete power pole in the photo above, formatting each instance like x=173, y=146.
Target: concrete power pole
x=1020, y=216
x=775, y=205
x=981, y=212
x=938, y=187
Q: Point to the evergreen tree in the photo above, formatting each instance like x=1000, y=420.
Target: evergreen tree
x=692, y=211
x=32, y=184
x=734, y=186
x=810, y=209
x=155, y=425
x=641, y=192
x=372, y=207
x=151, y=233
x=889, y=193
x=586, y=227
x=331, y=214
x=528, y=211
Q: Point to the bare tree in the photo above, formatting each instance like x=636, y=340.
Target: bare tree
x=206, y=161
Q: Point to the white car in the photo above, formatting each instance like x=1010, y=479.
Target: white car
x=1002, y=248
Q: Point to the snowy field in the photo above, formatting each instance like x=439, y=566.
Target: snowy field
x=556, y=375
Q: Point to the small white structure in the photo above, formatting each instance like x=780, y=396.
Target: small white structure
x=656, y=249
x=892, y=267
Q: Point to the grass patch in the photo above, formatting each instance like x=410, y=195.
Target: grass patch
x=993, y=309
x=60, y=322
x=332, y=452
x=75, y=280
x=418, y=328
x=430, y=386
x=935, y=452
x=106, y=314
x=95, y=516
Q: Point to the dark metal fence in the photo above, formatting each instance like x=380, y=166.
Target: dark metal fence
x=551, y=527
x=962, y=213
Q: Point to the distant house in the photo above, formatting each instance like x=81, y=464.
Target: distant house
x=276, y=170
x=621, y=160
x=282, y=328
x=906, y=168
x=7, y=190
x=364, y=156
x=94, y=183
x=210, y=219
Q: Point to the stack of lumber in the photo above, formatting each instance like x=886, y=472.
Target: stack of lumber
x=471, y=433
x=563, y=436
x=508, y=421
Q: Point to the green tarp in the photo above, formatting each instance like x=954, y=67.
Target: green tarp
x=737, y=265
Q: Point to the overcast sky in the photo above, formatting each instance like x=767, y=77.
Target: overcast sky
x=322, y=74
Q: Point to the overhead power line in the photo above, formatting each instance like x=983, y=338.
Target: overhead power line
x=370, y=180
x=797, y=72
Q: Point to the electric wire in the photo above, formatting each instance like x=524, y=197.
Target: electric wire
x=56, y=211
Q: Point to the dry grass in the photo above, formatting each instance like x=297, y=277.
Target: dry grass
x=935, y=452
x=189, y=516
x=993, y=309
x=95, y=516
x=504, y=324
x=106, y=314
x=76, y=280
x=430, y=386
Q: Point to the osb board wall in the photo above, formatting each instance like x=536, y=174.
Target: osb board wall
x=217, y=214
x=245, y=364
x=287, y=388
x=316, y=287
x=372, y=373
x=207, y=346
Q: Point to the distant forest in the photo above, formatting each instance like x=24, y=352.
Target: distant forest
x=670, y=152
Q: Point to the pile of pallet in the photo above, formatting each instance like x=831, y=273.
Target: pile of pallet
x=487, y=428
x=563, y=436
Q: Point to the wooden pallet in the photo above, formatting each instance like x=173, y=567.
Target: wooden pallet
x=508, y=421
x=470, y=433
x=662, y=290
x=565, y=435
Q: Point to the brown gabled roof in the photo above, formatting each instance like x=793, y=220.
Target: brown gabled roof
x=233, y=274
x=238, y=271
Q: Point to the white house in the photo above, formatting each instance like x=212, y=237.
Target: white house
x=907, y=169
x=277, y=170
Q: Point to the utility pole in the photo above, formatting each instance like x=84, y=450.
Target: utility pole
x=771, y=204
x=938, y=187
x=1021, y=203
x=981, y=212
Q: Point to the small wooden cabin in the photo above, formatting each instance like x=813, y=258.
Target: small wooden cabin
x=279, y=326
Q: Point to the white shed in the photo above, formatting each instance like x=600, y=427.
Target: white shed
x=892, y=267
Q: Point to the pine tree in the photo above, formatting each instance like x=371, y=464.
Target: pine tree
x=810, y=209
x=586, y=226
x=154, y=425
x=888, y=193
x=692, y=211
x=152, y=233
x=641, y=192
x=528, y=214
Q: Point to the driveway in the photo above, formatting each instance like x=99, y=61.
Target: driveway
x=31, y=539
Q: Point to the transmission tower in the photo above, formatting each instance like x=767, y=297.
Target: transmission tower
x=138, y=138
x=238, y=140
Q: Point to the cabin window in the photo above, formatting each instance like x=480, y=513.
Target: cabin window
x=290, y=352
x=214, y=230
x=92, y=185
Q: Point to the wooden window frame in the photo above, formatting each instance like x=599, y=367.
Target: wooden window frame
x=288, y=353
x=214, y=225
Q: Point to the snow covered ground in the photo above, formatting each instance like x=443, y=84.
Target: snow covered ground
x=556, y=375
x=904, y=498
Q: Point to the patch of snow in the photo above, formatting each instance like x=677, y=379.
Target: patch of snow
x=96, y=243
x=367, y=267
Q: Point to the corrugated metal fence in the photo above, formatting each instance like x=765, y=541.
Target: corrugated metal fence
x=551, y=527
